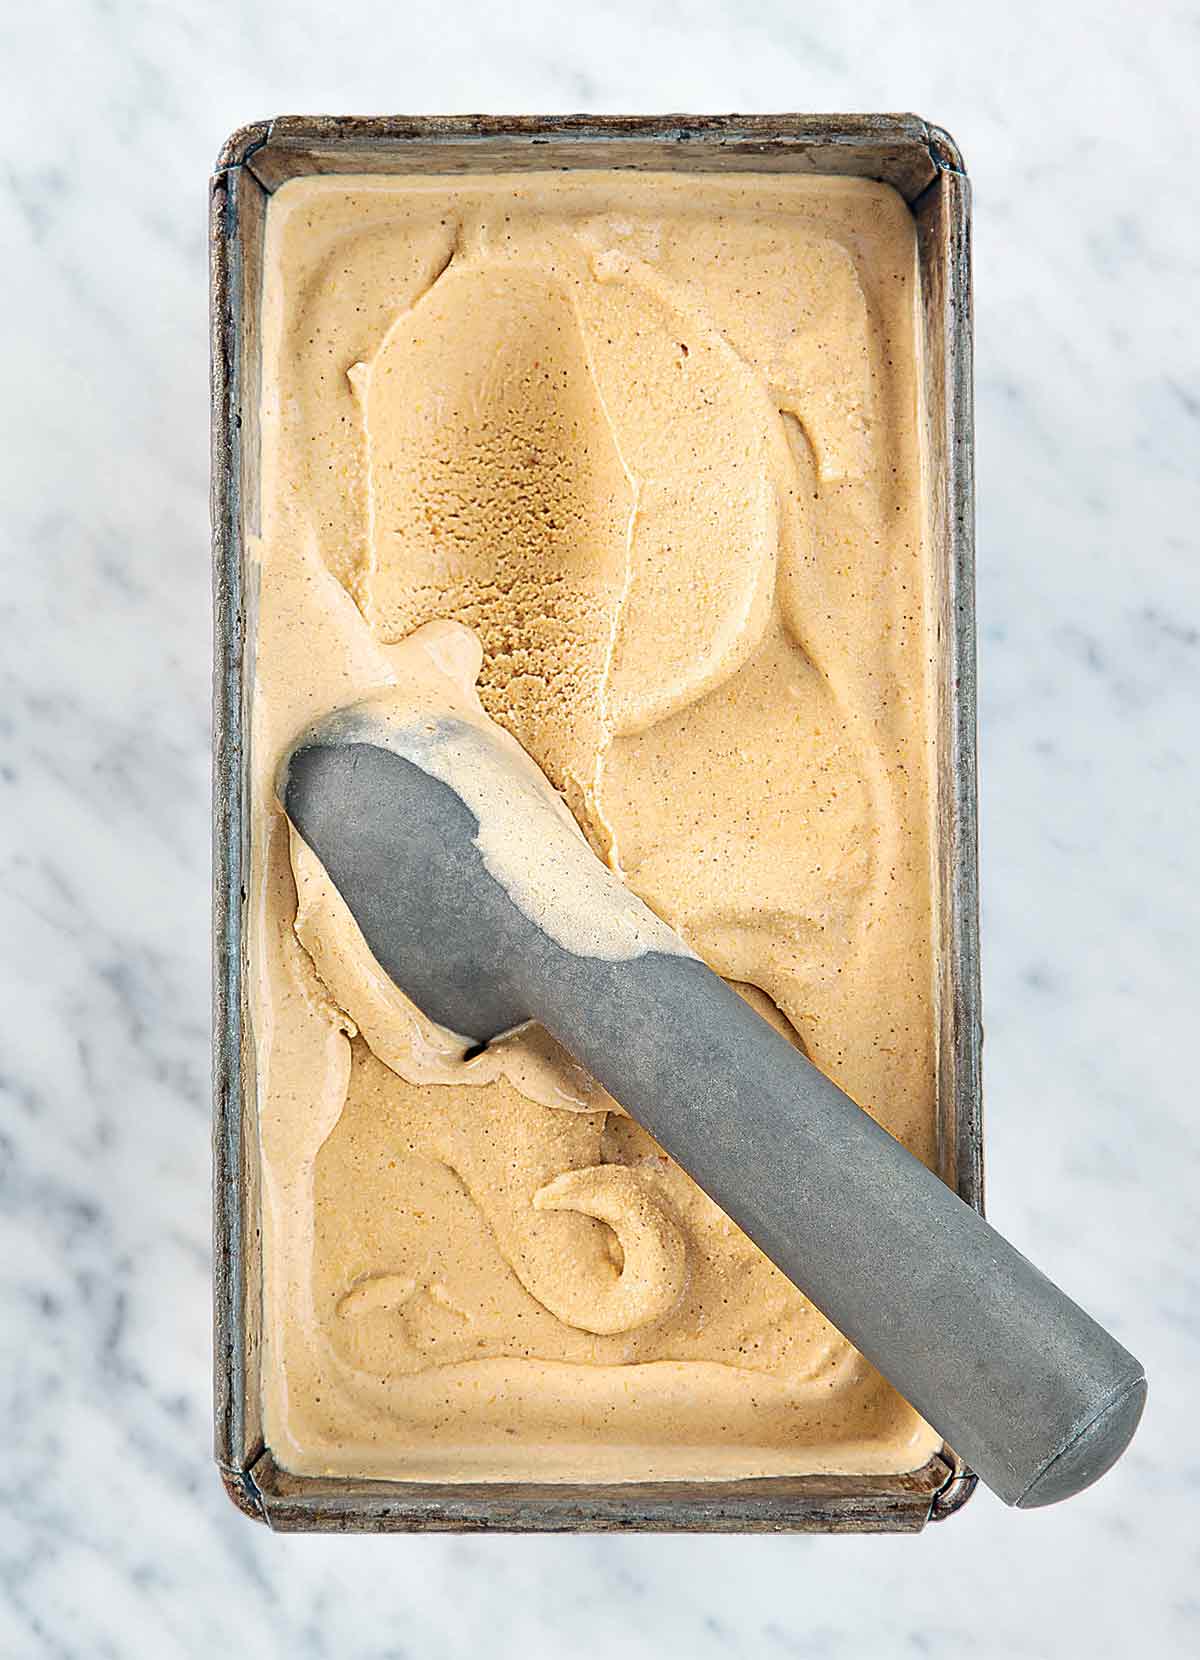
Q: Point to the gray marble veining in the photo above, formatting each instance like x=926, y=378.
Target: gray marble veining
x=1079, y=129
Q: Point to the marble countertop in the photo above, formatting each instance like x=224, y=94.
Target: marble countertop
x=1078, y=125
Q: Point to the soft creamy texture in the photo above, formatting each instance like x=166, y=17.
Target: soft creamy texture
x=653, y=439
x=528, y=839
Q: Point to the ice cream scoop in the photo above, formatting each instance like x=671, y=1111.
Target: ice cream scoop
x=478, y=895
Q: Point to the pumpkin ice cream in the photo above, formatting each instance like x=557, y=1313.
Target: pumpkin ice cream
x=638, y=453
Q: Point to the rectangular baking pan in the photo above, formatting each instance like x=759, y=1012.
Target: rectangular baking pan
x=924, y=165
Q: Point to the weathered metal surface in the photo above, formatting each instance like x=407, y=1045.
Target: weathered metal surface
x=900, y=148
x=804, y=1504
x=924, y=166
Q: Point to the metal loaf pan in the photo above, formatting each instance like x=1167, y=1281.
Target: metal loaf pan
x=924, y=165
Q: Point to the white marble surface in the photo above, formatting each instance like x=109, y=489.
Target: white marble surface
x=1078, y=122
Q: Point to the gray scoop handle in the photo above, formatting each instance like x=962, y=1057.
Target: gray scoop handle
x=1035, y=1396
x=1027, y=1388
